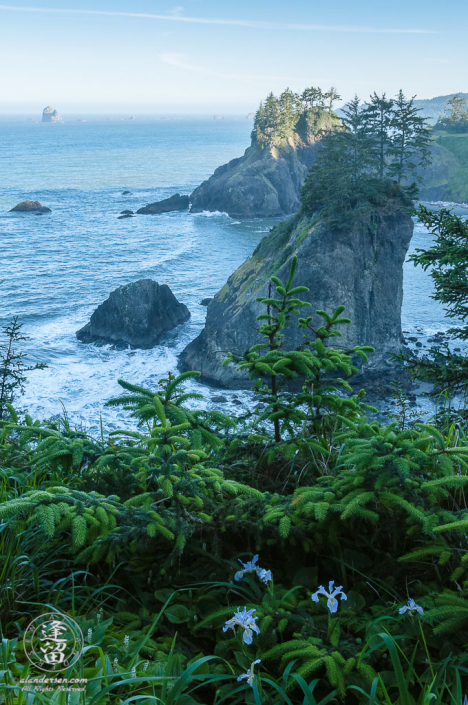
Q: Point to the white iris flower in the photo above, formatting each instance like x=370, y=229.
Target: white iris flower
x=411, y=607
x=252, y=567
x=331, y=595
x=250, y=675
x=245, y=620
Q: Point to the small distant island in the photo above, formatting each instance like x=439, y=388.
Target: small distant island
x=49, y=114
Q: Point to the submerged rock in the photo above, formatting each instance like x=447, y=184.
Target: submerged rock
x=127, y=193
x=360, y=267
x=137, y=314
x=265, y=182
x=174, y=203
x=125, y=215
x=30, y=207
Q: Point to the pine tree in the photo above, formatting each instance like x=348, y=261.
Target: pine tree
x=447, y=261
x=378, y=116
x=259, y=136
x=457, y=120
x=329, y=186
x=272, y=119
x=332, y=96
x=12, y=366
x=289, y=106
x=457, y=106
x=360, y=142
x=312, y=98
x=410, y=141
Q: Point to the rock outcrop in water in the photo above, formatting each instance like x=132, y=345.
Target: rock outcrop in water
x=51, y=115
x=30, y=207
x=361, y=268
x=137, y=314
x=174, y=203
x=266, y=182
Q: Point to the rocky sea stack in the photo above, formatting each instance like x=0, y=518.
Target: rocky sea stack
x=266, y=182
x=174, y=203
x=359, y=267
x=51, y=115
x=137, y=314
x=30, y=207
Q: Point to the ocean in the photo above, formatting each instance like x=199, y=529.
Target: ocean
x=58, y=267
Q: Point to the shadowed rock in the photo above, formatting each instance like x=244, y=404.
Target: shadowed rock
x=174, y=203
x=137, y=314
x=360, y=267
x=30, y=207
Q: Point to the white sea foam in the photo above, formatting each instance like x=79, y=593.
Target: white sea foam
x=448, y=204
x=212, y=214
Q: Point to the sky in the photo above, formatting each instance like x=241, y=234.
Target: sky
x=206, y=56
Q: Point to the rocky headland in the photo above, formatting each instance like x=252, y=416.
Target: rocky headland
x=266, y=181
x=359, y=267
x=138, y=314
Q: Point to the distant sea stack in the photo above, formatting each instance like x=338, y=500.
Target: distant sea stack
x=137, y=314
x=360, y=267
x=51, y=115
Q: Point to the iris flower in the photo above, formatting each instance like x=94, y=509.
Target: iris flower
x=250, y=675
x=331, y=595
x=411, y=607
x=245, y=620
x=252, y=567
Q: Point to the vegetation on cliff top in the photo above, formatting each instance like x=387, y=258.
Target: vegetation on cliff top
x=457, y=119
x=374, y=158
x=279, y=119
x=138, y=535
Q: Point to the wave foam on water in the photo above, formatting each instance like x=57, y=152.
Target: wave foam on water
x=212, y=214
x=448, y=204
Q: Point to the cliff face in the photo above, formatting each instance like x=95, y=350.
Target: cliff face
x=264, y=183
x=360, y=268
x=446, y=179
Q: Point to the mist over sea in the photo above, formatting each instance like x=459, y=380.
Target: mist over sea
x=58, y=267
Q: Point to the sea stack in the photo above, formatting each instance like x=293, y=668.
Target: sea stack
x=137, y=314
x=49, y=114
x=360, y=267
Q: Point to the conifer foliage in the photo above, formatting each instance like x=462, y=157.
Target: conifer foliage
x=376, y=156
x=446, y=260
x=146, y=526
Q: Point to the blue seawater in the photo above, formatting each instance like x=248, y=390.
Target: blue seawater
x=58, y=267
